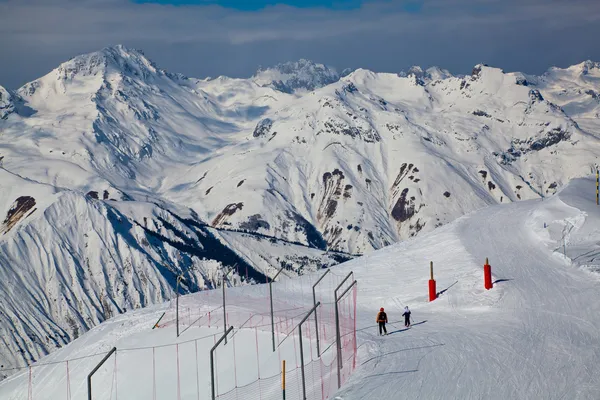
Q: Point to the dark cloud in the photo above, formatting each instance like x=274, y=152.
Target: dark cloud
x=525, y=35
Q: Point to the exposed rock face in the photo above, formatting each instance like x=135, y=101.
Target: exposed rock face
x=263, y=128
x=6, y=104
x=19, y=210
x=227, y=212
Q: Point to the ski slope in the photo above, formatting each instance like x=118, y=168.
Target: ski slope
x=534, y=336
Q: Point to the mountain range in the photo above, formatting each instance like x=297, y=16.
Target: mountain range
x=118, y=176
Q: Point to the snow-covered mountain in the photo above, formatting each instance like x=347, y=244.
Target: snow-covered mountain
x=118, y=176
x=300, y=76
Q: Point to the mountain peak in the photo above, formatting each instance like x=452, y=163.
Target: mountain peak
x=429, y=74
x=583, y=68
x=110, y=59
x=87, y=72
x=293, y=76
x=586, y=67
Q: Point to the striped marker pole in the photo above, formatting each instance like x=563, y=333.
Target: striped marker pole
x=597, y=184
x=283, y=379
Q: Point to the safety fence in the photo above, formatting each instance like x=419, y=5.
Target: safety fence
x=246, y=367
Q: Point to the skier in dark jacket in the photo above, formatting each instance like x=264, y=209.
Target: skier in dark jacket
x=382, y=320
x=406, y=316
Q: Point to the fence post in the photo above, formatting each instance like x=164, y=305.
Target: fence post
x=314, y=309
x=224, y=310
x=283, y=379
x=337, y=329
x=315, y=302
x=271, y=297
x=224, y=313
x=212, y=363
x=179, y=278
x=89, y=378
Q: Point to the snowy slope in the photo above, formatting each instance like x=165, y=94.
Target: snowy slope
x=239, y=171
x=533, y=336
x=377, y=158
x=575, y=89
x=70, y=261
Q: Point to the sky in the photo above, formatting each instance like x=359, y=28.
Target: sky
x=201, y=38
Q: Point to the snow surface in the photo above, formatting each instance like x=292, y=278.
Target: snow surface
x=534, y=335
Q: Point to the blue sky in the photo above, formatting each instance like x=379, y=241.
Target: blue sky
x=202, y=38
x=254, y=5
x=412, y=6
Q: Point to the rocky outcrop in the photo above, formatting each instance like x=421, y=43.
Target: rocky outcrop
x=263, y=128
x=20, y=209
x=6, y=104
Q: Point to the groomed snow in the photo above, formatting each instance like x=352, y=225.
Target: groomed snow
x=535, y=335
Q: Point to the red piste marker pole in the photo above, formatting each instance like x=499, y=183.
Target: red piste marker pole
x=432, y=291
x=487, y=275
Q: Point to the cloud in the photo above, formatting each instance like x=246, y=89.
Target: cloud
x=385, y=35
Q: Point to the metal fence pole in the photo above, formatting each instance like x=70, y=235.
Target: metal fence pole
x=212, y=362
x=337, y=323
x=224, y=310
x=271, y=297
x=337, y=331
x=302, y=363
x=314, y=309
x=315, y=302
x=89, y=378
x=179, y=279
x=224, y=313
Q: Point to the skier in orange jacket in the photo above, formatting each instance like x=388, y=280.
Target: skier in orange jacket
x=382, y=320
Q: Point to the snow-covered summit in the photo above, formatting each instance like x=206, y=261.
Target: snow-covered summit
x=576, y=89
x=587, y=67
x=81, y=79
x=426, y=75
x=100, y=64
x=301, y=75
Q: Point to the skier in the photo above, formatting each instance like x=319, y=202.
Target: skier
x=406, y=315
x=382, y=320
